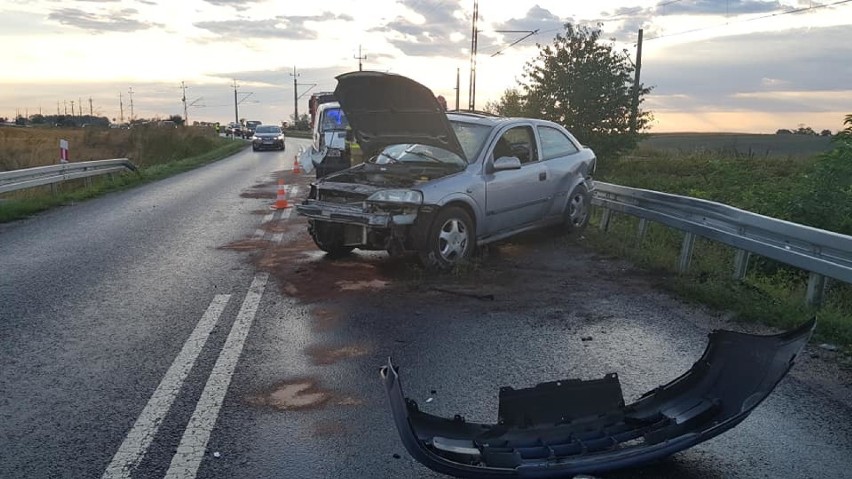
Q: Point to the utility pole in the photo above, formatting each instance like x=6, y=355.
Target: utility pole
x=65, y=103
x=474, y=37
x=91, y=111
x=359, y=58
x=72, y=108
x=236, y=104
x=183, y=99
x=132, y=115
x=295, y=94
x=458, y=77
x=80, y=106
x=57, y=107
x=634, y=111
x=120, y=108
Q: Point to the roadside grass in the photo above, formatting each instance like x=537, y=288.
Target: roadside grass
x=772, y=293
x=24, y=203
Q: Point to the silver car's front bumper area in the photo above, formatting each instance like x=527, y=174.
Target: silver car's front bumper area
x=352, y=214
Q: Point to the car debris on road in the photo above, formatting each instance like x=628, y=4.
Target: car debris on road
x=573, y=426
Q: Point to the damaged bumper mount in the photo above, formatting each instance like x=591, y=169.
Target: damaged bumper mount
x=569, y=427
x=351, y=214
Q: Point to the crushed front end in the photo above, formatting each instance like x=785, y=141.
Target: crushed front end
x=364, y=216
x=569, y=427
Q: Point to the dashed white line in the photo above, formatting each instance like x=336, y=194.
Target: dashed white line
x=133, y=449
x=193, y=444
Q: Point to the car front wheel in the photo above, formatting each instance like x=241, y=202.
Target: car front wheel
x=450, y=241
x=578, y=210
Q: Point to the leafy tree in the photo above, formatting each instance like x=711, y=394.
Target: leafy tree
x=825, y=133
x=584, y=84
x=783, y=131
x=302, y=123
x=804, y=130
x=177, y=119
x=512, y=103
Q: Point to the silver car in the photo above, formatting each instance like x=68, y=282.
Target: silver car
x=440, y=184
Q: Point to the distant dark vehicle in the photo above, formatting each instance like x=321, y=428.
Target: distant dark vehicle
x=267, y=137
x=166, y=124
x=248, y=129
x=233, y=129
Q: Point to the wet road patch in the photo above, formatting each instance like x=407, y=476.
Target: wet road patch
x=299, y=395
x=326, y=355
x=247, y=245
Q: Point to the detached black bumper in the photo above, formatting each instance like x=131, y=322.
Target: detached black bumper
x=569, y=427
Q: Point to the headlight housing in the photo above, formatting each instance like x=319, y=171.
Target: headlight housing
x=408, y=197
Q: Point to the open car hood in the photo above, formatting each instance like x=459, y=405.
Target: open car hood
x=385, y=109
x=568, y=427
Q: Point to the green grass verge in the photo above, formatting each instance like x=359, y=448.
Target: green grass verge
x=40, y=199
x=776, y=299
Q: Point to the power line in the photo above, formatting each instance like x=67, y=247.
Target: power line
x=762, y=17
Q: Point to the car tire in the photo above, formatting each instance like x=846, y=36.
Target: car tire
x=577, y=210
x=329, y=238
x=450, y=241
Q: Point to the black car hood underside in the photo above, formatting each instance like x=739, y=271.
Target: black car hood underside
x=569, y=427
x=386, y=109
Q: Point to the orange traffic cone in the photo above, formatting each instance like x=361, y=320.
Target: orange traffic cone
x=297, y=169
x=281, y=201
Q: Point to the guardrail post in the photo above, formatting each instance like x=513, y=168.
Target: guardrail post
x=685, y=252
x=605, y=219
x=741, y=264
x=816, y=289
x=642, y=230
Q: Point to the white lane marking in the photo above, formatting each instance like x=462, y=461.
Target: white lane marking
x=258, y=233
x=133, y=449
x=277, y=238
x=286, y=213
x=267, y=218
x=193, y=444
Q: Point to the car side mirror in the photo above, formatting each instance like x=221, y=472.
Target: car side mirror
x=507, y=163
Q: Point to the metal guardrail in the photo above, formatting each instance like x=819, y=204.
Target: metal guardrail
x=822, y=253
x=46, y=175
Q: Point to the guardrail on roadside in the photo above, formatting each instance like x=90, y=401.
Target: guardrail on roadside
x=822, y=253
x=46, y=175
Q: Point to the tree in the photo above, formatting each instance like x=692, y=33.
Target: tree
x=177, y=119
x=825, y=133
x=586, y=85
x=512, y=103
x=783, y=131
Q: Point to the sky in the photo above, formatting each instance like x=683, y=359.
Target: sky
x=714, y=65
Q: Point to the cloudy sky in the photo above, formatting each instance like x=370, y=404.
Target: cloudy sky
x=715, y=65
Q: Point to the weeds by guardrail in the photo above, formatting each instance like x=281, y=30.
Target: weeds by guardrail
x=46, y=175
x=822, y=253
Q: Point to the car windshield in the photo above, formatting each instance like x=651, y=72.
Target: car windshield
x=268, y=129
x=471, y=136
x=334, y=119
x=416, y=153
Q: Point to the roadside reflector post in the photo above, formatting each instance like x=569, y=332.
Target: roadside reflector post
x=63, y=151
x=741, y=264
x=685, y=253
x=816, y=289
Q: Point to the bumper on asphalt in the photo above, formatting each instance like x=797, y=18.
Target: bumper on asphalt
x=568, y=427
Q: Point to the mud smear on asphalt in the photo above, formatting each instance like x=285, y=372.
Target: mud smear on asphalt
x=278, y=226
x=326, y=318
x=325, y=355
x=309, y=277
x=299, y=395
x=324, y=429
x=259, y=194
x=247, y=245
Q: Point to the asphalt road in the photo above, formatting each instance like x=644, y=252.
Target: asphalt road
x=180, y=330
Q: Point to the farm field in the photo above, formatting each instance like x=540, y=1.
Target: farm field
x=734, y=144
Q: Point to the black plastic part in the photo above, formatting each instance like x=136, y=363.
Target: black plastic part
x=563, y=428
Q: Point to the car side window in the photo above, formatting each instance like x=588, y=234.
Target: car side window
x=518, y=142
x=554, y=143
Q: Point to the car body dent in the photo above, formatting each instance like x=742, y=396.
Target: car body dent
x=569, y=427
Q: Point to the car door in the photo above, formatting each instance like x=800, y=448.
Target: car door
x=514, y=198
x=560, y=156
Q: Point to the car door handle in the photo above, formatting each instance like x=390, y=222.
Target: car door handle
x=542, y=176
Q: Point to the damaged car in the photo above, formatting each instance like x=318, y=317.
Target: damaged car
x=569, y=427
x=440, y=184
